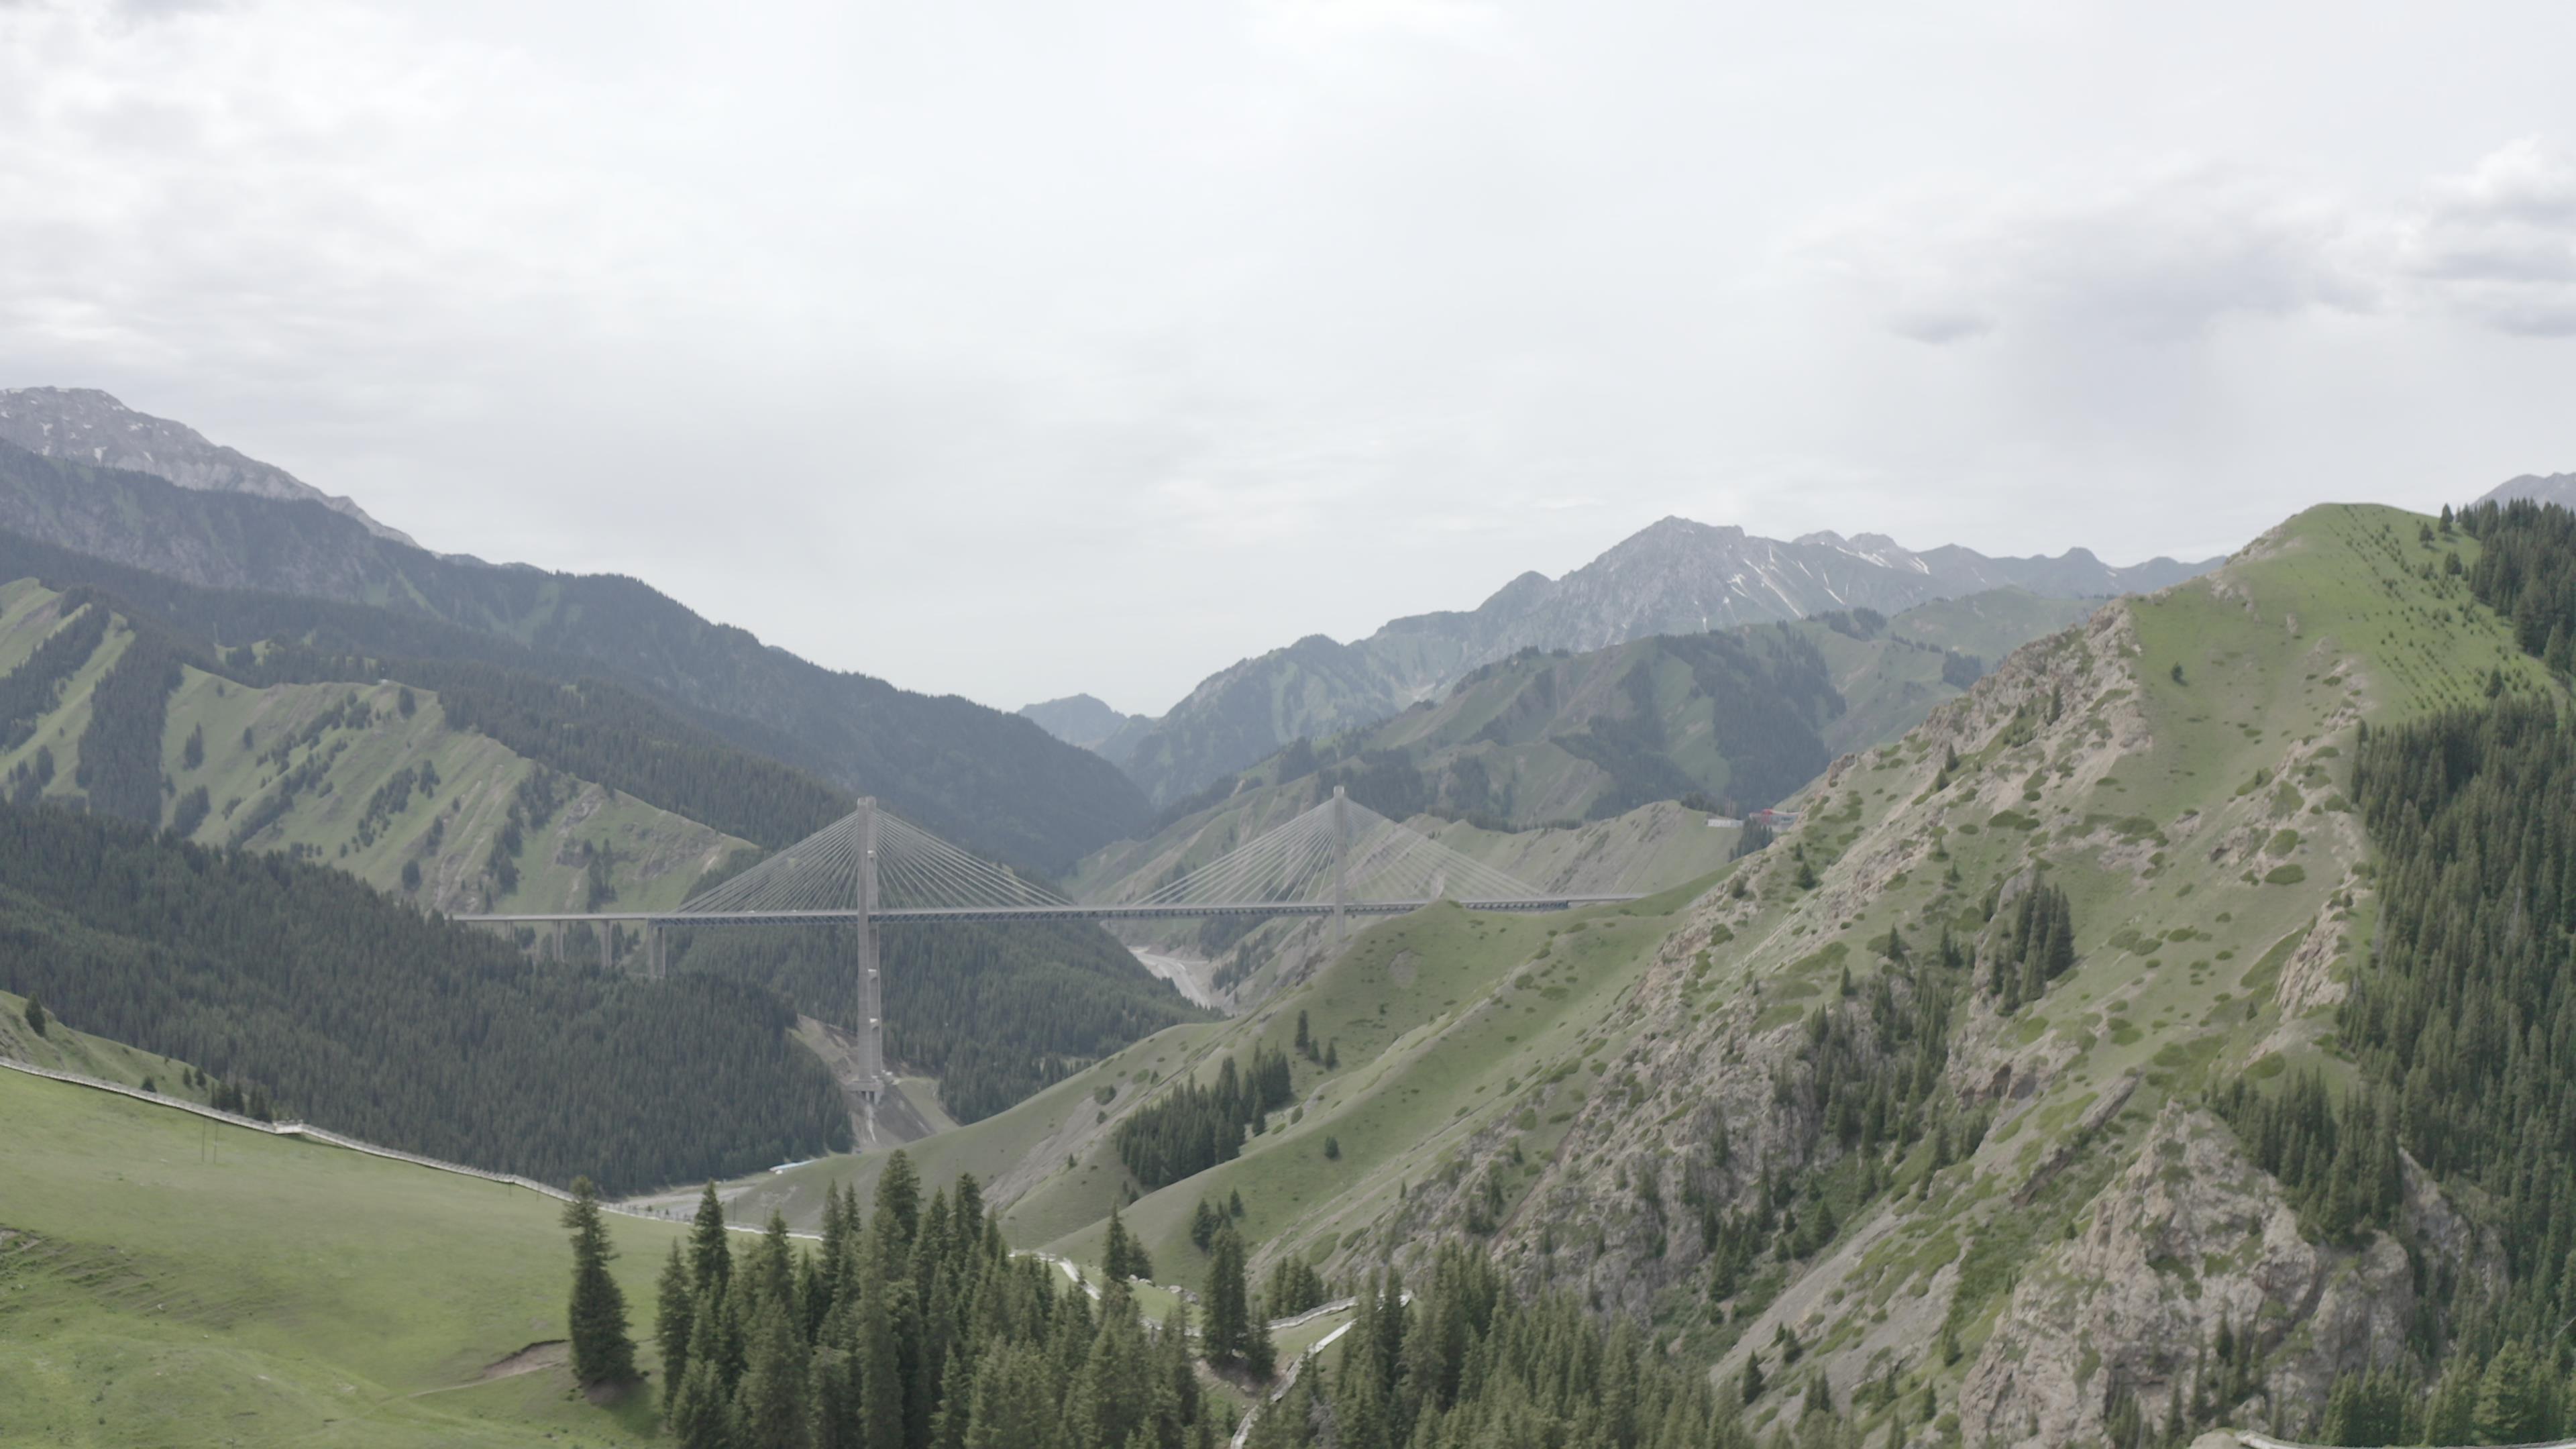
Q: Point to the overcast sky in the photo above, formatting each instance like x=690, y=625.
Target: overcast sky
x=1022, y=349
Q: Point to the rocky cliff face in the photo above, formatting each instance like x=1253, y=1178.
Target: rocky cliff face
x=86, y=425
x=2189, y=1240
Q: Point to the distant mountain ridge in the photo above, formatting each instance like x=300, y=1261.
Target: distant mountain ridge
x=989, y=781
x=1077, y=719
x=1672, y=577
x=90, y=426
x=2558, y=488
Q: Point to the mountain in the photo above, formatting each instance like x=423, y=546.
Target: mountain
x=463, y=786
x=1521, y=752
x=313, y=992
x=90, y=426
x=391, y=782
x=2558, y=488
x=2153, y=1038
x=1675, y=577
x=1077, y=720
x=989, y=781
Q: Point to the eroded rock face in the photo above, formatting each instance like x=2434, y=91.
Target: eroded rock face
x=2191, y=1235
x=89, y=426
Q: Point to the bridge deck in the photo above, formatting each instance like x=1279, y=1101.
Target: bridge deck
x=1066, y=912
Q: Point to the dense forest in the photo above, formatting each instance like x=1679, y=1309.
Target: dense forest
x=911, y=1326
x=1196, y=1127
x=992, y=782
x=2462, y=1028
x=29, y=692
x=995, y=1012
x=611, y=735
x=353, y=1010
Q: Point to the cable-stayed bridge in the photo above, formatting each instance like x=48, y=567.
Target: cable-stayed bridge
x=1339, y=859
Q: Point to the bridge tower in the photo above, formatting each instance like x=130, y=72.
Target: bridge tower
x=1341, y=861
x=871, y=1013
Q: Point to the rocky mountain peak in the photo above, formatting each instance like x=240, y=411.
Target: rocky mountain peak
x=89, y=425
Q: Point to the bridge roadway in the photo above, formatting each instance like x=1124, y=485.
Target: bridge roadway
x=1066, y=912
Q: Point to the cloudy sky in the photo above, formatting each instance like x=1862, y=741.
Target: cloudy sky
x=1020, y=349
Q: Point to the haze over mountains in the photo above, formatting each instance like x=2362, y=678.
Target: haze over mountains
x=90, y=426
x=1672, y=577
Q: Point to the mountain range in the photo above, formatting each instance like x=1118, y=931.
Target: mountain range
x=985, y=779
x=1673, y=577
x=2148, y=1019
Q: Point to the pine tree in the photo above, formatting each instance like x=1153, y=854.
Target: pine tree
x=710, y=1252
x=1228, y=1328
x=672, y=1321
x=596, y=1321
x=770, y=1406
x=35, y=1014
x=898, y=1208
x=881, y=1384
x=2513, y=1399
x=1121, y=1256
x=1260, y=1353
x=701, y=1412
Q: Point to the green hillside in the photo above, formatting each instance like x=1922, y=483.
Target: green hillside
x=165, y=1280
x=347, y=775
x=228, y=568
x=376, y=777
x=1437, y=1020
x=1961, y=1087
x=1564, y=770
x=1846, y=1138
x=1892, y=672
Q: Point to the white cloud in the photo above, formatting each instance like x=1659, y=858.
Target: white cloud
x=2165, y=254
x=2498, y=244
x=2157, y=256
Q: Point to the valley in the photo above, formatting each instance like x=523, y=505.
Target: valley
x=1921, y=1081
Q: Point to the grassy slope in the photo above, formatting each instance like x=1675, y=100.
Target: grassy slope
x=659, y=855
x=1438, y=1018
x=1888, y=688
x=2199, y=829
x=65, y=1050
x=177, y=1282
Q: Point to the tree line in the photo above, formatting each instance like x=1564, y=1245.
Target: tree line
x=360, y=1013
x=912, y=1326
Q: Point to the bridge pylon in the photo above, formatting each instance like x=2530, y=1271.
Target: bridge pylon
x=871, y=1013
x=1341, y=865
